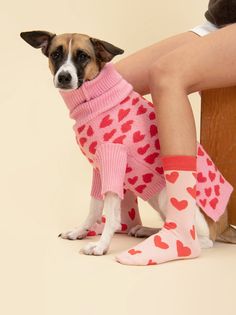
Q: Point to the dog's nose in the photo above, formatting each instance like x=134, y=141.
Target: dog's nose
x=64, y=78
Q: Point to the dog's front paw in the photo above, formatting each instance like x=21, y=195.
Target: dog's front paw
x=76, y=234
x=96, y=249
x=142, y=231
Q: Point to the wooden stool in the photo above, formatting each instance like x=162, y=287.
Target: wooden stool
x=218, y=137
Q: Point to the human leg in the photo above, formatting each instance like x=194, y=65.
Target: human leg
x=208, y=63
x=135, y=67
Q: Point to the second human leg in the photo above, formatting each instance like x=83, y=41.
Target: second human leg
x=204, y=64
x=135, y=67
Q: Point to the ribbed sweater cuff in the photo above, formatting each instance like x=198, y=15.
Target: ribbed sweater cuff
x=96, y=185
x=112, y=158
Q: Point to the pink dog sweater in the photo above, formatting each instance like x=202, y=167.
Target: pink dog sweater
x=116, y=130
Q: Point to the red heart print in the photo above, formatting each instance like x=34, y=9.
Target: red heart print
x=81, y=128
x=197, y=193
x=200, y=152
x=106, y=121
x=141, y=110
x=120, y=139
x=158, y=242
x=179, y=204
x=151, y=262
x=90, y=131
x=133, y=180
x=170, y=225
x=140, y=188
x=183, y=251
x=203, y=202
x=103, y=219
x=92, y=147
x=128, y=169
x=135, y=100
x=144, y=149
x=193, y=232
x=213, y=203
x=127, y=126
x=149, y=103
x=192, y=191
x=153, y=130
x=132, y=214
x=211, y=176
x=82, y=141
x=123, y=113
x=172, y=177
x=151, y=158
x=137, y=136
x=208, y=191
x=125, y=100
x=159, y=170
x=222, y=179
x=201, y=178
x=134, y=252
x=91, y=233
x=157, y=144
x=123, y=227
x=152, y=116
x=209, y=162
x=107, y=136
x=217, y=190
x=147, y=178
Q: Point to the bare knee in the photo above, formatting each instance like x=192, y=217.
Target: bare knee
x=166, y=75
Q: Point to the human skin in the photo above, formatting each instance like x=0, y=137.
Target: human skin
x=174, y=68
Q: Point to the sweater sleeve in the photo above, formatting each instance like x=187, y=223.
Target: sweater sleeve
x=96, y=185
x=111, y=159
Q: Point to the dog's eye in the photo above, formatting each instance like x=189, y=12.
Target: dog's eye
x=82, y=56
x=55, y=55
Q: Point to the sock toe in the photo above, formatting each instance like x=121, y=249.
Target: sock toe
x=125, y=258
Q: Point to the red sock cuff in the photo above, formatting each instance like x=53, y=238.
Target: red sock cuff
x=179, y=162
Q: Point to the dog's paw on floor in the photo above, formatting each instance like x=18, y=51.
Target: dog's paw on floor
x=76, y=234
x=95, y=248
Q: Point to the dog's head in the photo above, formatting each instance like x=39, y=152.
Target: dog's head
x=73, y=58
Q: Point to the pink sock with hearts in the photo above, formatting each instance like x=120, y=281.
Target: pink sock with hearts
x=177, y=239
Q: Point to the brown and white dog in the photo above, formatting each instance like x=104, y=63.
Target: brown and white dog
x=74, y=59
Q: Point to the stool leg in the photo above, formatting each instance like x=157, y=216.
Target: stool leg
x=218, y=137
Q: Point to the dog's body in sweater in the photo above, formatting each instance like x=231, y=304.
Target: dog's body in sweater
x=116, y=130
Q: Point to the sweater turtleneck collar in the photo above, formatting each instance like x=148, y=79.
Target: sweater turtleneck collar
x=94, y=97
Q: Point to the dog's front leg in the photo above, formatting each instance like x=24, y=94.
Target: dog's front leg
x=112, y=209
x=94, y=215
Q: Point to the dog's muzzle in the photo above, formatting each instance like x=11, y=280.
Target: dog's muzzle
x=65, y=81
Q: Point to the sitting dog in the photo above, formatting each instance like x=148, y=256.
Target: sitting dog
x=116, y=129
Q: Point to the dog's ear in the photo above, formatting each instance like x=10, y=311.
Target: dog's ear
x=38, y=39
x=105, y=51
